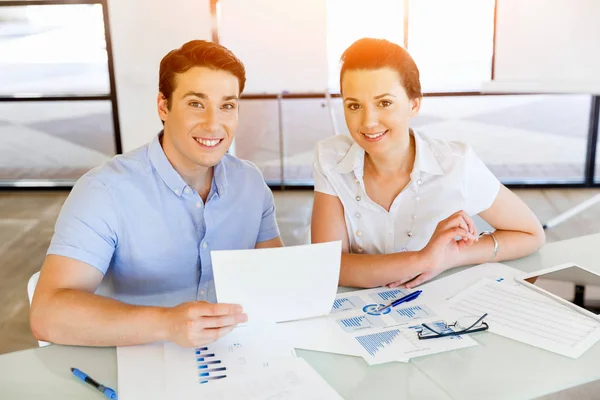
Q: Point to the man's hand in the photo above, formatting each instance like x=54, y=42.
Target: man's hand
x=196, y=323
x=443, y=249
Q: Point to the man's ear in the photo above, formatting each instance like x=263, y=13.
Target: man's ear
x=415, y=106
x=163, y=109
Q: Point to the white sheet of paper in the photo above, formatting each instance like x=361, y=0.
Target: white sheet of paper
x=522, y=314
x=244, y=350
x=291, y=379
x=320, y=334
x=136, y=367
x=279, y=284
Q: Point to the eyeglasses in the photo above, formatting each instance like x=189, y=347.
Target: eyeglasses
x=461, y=326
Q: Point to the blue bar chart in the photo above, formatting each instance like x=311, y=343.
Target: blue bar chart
x=388, y=295
x=347, y=303
x=407, y=314
x=376, y=342
x=209, y=366
x=360, y=322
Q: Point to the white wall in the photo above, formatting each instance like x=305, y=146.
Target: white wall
x=547, y=46
x=282, y=43
x=143, y=32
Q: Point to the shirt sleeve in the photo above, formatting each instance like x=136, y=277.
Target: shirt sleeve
x=86, y=228
x=268, y=226
x=481, y=185
x=322, y=183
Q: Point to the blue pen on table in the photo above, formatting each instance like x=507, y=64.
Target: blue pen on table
x=108, y=392
x=408, y=297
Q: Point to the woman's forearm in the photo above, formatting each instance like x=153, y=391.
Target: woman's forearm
x=373, y=270
x=511, y=245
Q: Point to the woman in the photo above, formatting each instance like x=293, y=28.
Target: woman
x=401, y=202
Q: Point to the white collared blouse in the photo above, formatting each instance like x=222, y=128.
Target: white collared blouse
x=446, y=177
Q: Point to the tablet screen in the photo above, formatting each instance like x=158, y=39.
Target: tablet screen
x=572, y=284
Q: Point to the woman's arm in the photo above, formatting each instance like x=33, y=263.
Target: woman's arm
x=371, y=270
x=518, y=231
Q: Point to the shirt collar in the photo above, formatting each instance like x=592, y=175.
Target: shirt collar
x=171, y=177
x=425, y=159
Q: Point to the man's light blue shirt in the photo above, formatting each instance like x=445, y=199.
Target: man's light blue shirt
x=137, y=221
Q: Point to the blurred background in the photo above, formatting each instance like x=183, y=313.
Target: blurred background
x=516, y=79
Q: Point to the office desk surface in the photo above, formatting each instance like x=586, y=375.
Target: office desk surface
x=498, y=368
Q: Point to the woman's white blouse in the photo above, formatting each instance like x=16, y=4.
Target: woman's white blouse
x=446, y=177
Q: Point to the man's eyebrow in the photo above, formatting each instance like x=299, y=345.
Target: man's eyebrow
x=383, y=95
x=204, y=96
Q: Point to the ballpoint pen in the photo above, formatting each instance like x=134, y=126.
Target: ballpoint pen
x=408, y=297
x=108, y=392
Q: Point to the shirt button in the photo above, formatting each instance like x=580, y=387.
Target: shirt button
x=404, y=249
x=417, y=198
x=198, y=205
x=356, y=180
x=419, y=182
x=177, y=192
x=414, y=217
x=186, y=190
x=358, y=233
x=357, y=215
x=202, y=292
x=357, y=198
x=204, y=245
x=360, y=249
x=409, y=233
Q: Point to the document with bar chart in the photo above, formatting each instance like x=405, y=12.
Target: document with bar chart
x=245, y=349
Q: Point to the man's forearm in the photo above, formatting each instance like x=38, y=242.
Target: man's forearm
x=76, y=317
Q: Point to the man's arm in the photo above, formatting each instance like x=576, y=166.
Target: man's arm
x=275, y=242
x=65, y=310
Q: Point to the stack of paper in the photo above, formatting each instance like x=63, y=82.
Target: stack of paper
x=255, y=361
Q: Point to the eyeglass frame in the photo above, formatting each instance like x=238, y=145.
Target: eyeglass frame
x=484, y=327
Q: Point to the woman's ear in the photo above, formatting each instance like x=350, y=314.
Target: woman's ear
x=415, y=106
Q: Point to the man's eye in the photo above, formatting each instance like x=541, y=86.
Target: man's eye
x=228, y=106
x=196, y=104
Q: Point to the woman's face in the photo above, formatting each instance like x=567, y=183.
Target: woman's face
x=377, y=109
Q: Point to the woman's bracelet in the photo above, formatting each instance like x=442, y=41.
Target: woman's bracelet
x=488, y=233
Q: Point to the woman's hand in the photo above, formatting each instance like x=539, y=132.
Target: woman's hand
x=443, y=250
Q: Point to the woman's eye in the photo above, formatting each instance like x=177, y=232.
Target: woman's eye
x=353, y=106
x=385, y=103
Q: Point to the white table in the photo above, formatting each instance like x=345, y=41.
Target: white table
x=498, y=368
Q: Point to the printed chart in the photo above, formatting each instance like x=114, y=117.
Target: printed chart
x=388, y=296
x=360, y=322
x=407, y=314
x=376, y=342
x=210, y=368
x=347, y=303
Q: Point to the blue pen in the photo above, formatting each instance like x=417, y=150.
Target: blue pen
x=408, y=297
x=108, y=392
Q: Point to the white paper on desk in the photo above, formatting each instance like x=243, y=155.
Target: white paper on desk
x=398, y=344
x=291, y=379
x=522, y=314
x=279, y=284
x=245, y=349
x=140, y=372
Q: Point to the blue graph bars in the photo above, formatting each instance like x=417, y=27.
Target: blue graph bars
x=410, y=313
x=377, y=341
x=347, y=303
x=208, y=366
x=388, y=295
x=355, y=321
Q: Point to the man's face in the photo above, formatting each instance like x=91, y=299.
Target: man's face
x=201, y=122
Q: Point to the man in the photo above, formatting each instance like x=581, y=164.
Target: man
x=129, y=262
